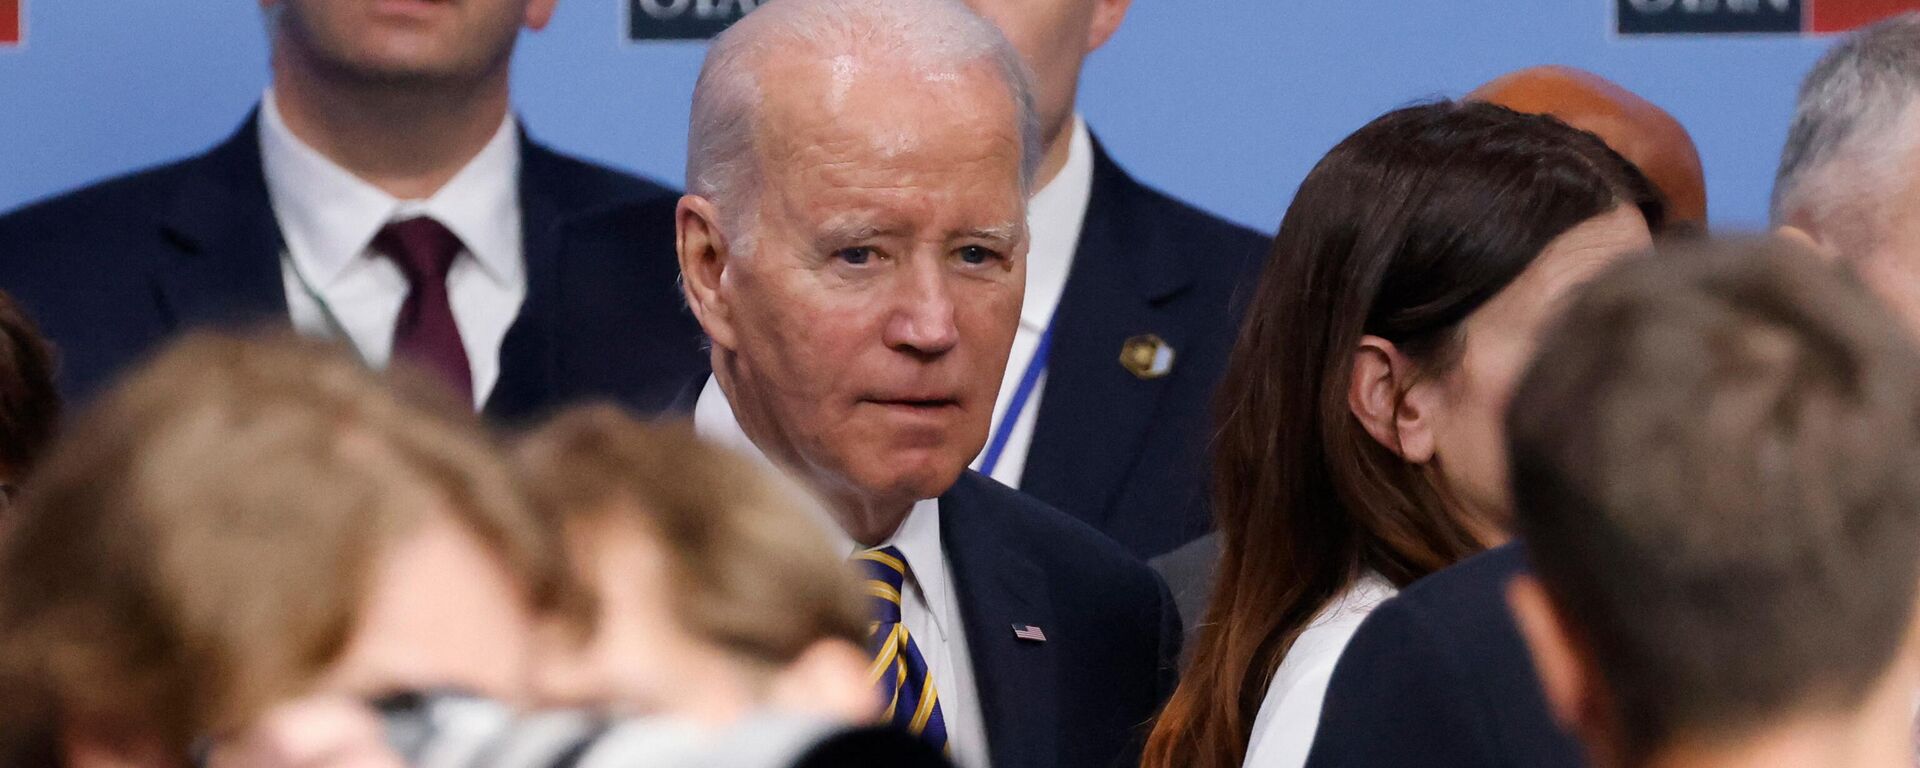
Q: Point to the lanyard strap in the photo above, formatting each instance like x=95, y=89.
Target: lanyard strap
x=1017, y=405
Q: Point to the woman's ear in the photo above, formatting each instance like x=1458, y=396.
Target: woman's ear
x=1386, y=397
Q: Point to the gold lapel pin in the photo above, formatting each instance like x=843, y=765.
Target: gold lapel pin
x=1147, y=357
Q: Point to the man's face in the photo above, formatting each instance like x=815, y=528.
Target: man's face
x=1054, y=36
x=870, y=323
x=405, y=40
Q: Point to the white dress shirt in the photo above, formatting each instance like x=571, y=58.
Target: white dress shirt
x=1054, y=219
x=338, y=286
x=1283, y=731
x=929, y=605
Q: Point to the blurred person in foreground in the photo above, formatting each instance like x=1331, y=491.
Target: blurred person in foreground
x=854, y=243
x=29, y=403
x=1716, y=468
x=247, y=523
x=715, y=590
x=1128, y=314
x=383, y=194
x=1639, y=130
x=1360, y=444
x=1849, y=177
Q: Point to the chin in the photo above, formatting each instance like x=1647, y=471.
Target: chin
x=918, y=477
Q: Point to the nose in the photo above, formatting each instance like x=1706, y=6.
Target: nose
x=922, y=322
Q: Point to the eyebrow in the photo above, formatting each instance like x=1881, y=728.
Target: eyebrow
x=1007, y=232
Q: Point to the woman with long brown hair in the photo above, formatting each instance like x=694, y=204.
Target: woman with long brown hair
x=1359, y=446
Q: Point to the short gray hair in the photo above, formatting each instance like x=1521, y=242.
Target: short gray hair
x=1855, y=110
x=943, y=34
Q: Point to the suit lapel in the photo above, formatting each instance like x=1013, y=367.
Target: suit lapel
x=1000, y=588
x=225, y=269
x=527, y=354
x=1094, y=412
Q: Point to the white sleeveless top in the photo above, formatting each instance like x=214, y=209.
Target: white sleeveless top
x=1283, y=731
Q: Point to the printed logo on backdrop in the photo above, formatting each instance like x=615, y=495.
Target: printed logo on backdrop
x=10, y=22
x=1777, y=17
x=682, y=19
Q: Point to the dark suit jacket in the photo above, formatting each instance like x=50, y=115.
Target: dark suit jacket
x=1126, y=455
x=115, y=269
x=1440, y=676
x=1085, y=697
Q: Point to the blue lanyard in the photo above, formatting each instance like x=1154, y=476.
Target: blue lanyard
x=1017, y=405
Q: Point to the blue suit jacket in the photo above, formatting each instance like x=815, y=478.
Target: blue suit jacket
x=1126, y=455
x=117, y=268
x=1440, y=677
x=1086, y=697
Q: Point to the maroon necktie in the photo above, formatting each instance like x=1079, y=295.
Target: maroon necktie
x=425, y=333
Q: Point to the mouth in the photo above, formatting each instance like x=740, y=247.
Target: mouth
x=410, y=7
x=916, y=405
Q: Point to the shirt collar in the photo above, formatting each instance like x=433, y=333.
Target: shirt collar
x=1054, y=218
x=918, y=537
x=328, y=216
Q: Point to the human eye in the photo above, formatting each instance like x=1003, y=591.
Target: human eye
x=856, y=255
x=978, y=254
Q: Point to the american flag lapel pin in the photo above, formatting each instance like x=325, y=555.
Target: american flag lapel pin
x=1029, y=633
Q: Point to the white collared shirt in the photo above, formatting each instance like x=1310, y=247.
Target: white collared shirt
x=1289, y=715
x=1054, y=219
x=337, y=285
x=929, y=605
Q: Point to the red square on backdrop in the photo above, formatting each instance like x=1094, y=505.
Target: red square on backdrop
x=9, y=22
x=1843, y=15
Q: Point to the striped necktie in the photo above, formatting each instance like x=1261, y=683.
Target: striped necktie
x=898, y=672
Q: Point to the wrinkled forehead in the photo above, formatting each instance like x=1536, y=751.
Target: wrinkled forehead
x=852, y=113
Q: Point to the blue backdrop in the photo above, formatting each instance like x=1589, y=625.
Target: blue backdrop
x=1225, y=102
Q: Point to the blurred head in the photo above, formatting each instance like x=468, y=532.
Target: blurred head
x=854, y=238
x=244, y=522
x=1055, y=37
x=1641, y=132
x=402, y=42
x=1849, y=176
x=716, y=591
x=1360, y=412
x=29, y=403
x=1716, y=467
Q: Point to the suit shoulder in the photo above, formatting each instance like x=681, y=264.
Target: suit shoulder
x=53, y=218
x=1055, y=536
x=1468, y=594
x=1201, y=224
x=586, y=186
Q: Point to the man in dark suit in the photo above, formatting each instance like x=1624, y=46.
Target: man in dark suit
x=853, y=243
x=383, y=194
x=1105, y=407
x=1439, y=676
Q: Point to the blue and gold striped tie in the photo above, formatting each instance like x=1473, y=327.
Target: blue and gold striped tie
x=899, y=672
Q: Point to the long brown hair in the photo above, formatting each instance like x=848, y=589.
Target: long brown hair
x=1401, y=232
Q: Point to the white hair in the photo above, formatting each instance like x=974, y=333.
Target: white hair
x=939, y=36
x=1853, y=135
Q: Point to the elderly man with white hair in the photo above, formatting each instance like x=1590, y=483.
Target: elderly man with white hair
x=1849, y=176
x=854, y=243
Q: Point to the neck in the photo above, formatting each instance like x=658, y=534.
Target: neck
x=407, y=139
x=1059, y=146
x=865, y=517
x=1878, y=735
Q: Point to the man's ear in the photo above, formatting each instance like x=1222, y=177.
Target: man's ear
x=704, y=259
x=539, y=13
x=1804, y=237
x=1107, y=15
x=1381, y=395
x=1568, y=676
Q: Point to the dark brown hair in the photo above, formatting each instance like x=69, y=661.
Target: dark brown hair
x=29, y=404
x=1401, y=232
x=1716, y=468
x=198, y=546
